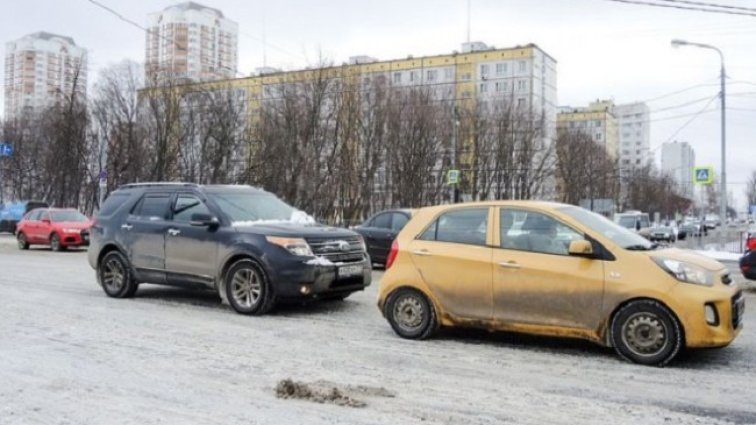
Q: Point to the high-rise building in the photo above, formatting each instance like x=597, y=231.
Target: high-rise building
x=192, y=41
x=39, y=68
x=634, y=135
x=597, y=120
x=677, y=161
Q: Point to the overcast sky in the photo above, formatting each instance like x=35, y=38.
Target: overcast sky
x=604, y=49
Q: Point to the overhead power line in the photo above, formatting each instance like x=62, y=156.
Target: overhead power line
x=678, y=4
x=714, y=5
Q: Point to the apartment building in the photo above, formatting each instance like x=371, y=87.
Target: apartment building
x=190, y=41
x=677, y=161
x=634, y=135
x=597, y=120
x=39, y=68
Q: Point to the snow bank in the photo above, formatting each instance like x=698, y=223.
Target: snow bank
x=721, y=255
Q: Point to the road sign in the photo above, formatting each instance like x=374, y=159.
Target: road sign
x=103, y=175
x=753, y=210
x=703, y=175
x=6, y=149
x=452, y=177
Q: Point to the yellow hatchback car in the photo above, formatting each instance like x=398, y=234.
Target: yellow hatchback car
x=553, y=269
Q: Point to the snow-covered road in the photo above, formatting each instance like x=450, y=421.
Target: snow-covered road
x=70, y=355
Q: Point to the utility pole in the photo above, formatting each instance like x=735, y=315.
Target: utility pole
x=723, y=171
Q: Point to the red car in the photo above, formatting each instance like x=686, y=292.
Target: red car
x=59, y=228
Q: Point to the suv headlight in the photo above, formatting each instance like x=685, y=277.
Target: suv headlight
x=686, y=272
x=296, y=246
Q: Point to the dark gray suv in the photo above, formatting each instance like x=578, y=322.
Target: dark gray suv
x=250, y=246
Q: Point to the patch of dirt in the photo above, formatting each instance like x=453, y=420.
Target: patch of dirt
x=329, y=392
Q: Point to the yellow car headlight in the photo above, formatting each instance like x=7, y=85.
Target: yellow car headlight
x=686, y=272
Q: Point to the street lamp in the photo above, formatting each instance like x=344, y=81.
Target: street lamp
x=723, y=180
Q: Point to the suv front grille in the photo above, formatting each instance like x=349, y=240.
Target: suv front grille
x=738, y=309
x=337, y=250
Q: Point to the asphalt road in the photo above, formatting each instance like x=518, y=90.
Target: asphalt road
x=70, y=355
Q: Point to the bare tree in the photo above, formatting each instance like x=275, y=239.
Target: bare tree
x=751, y=189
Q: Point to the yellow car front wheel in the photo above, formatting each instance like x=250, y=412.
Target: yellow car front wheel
x=646, y=332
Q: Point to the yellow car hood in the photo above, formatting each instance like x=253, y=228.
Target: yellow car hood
x=687, y=256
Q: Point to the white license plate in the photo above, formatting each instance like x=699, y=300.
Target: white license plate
x=348, y=271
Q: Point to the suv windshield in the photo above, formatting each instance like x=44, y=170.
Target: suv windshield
x=69, y=216
x=246, y=208
x=616, y=233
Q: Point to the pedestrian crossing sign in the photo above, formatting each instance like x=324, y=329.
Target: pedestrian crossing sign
x=703, y=175
x=452, y=177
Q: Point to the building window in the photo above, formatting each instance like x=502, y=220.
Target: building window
x=397, y=77
x=483, y=87
x=523, y=66
x=483, y=70
x=448, y=74
x=521, y=102
x=501, y=68
x=598, y=123
x=466, y=76
x=412, y=76
x=520, y=85
x=598, y=136
x=501, y=86
x=432, y=74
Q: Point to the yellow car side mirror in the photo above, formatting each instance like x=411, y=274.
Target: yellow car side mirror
x=581, y=247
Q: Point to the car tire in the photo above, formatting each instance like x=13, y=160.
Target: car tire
x=115, y=276
x=411, y=314
x=21, y=240
x=55, y=243
x=248, y=289
x=646, y=332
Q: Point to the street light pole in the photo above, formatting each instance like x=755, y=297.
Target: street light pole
x=723, y=172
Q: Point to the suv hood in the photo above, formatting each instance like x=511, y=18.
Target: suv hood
x=687, y=256
x=295, y=230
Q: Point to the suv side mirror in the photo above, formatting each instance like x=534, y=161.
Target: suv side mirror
x=581, y=248
x=201, y=220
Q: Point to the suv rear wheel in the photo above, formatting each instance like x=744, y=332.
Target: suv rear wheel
x=247, y=289
x=411, y=314
x=114, y=274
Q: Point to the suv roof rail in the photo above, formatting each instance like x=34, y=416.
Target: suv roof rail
x=157, y=184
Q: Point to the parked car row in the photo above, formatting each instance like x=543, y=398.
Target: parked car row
x=525, y=266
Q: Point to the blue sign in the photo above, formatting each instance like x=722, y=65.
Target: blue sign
x=703, y=175
x=103, y=175
x=6, y=149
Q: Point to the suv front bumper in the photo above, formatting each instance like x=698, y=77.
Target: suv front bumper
x=299, y=280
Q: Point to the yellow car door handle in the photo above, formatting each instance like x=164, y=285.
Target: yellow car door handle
x=423, y=252
x=509, y=265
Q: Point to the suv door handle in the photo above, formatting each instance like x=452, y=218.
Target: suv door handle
x=126, y=226
x=422, y=252
x=174, y=232
x=509, y=265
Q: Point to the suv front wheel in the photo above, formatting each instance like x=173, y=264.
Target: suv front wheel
x=247, y=289
x=114, y=273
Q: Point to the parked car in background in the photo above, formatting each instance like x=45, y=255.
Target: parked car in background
x=662, y=234
x=689, y=230
x=60, y=228
x=748, y=265
x=380, y=230
x=11, y=214
x=604, y=283
x=751, y=239
x=243, y=242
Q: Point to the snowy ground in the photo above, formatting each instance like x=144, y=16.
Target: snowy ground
x=70, y=355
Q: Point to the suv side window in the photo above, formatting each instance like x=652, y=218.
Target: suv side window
x=112, y=203
x=153, y=206
x=382, y=221
x=187, y=205
x=535, y=232
x=34, y=215
x=44, y=216
x=466, y=226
